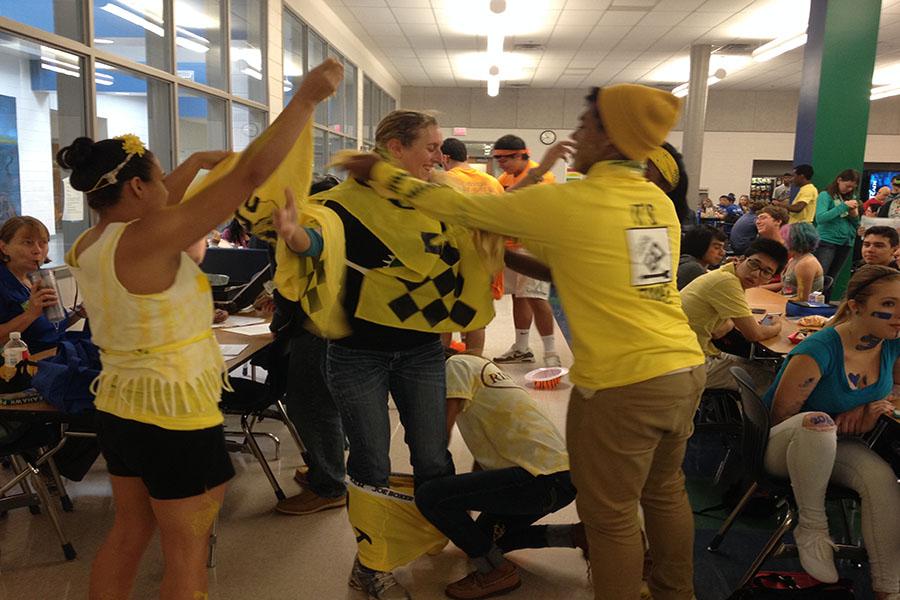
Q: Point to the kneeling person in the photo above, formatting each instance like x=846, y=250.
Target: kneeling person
x=525, y=477
x=715, y=304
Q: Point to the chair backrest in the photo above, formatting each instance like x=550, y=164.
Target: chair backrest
x=754, y=427
x=827, y=282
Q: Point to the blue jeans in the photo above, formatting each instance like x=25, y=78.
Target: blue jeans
x=832, y=258
x=315, y=415
x=360, y=381
x=509, y=500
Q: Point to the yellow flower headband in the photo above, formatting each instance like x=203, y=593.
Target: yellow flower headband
x=132, y=145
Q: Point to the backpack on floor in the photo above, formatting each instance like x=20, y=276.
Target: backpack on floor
x=775, y=585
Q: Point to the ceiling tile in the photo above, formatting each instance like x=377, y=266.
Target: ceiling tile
x=678, y=4
x=374, y=15
x=659, y=18
x=725, y=5
x=415, y=15
x=705, y=19
x=366, y=3
x=409, y=3
x=579, y=17
x=427, y=42
x=379, y=29
x=420, y=29
x=622, y=18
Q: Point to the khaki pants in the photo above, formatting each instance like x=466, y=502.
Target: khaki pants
x=626, y=446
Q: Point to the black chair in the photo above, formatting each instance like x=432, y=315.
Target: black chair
x=253, y=401
x=26, y=452
x=754, y=439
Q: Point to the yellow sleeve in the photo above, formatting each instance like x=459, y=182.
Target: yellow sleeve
x=528, y=213
x=806, y=195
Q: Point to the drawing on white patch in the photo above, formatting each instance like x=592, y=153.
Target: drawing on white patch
x=650, y=256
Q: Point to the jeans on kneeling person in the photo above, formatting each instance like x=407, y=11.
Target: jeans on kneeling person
x=525, y=478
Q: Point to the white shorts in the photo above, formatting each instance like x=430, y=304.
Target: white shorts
x=524, y=287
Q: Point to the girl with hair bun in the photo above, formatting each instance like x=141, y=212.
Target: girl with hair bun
x=159, y=425
x=832, y=388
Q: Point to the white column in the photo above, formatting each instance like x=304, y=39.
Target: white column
x=695, y=119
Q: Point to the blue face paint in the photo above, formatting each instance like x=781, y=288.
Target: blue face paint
x=882, y=315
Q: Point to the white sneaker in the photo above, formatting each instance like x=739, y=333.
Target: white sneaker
x=378, y=585
x=514, y=356
x=551, y=359
x=816, y=552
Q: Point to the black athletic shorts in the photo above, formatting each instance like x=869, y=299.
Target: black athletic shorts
x=172, y=464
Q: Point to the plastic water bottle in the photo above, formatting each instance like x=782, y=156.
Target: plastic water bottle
x=15, y=350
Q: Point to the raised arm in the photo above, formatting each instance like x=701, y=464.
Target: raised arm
x=174, y=228
x=560, y=150
x=178, y=180
x=800, y=378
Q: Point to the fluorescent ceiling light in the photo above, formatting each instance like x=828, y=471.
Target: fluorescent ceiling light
x=191, y=45
x=512, y=65
x=103, y=79
x=56, y=69
x=66, y=64
x=251, y=72
x=682, y=90
x=779, y=46
x=886, y=75
x=777, y=18
x=288, y=86
x=884, y=91
x=493, y=86
x=149, y=8
x=679, y=69
x=115, y=9
x=292, y=69
x=495, y=44
x=474, y=17
x=102, y=41
x=104, y=67
x=185, y=13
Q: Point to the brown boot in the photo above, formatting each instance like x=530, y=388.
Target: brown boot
x=501, y=580
x=307, y=502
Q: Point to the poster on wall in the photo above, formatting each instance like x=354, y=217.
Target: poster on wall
x=10, y=193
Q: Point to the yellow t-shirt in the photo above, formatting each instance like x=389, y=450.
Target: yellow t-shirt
x=502, y=424
x=612, y=240
x=808, y=194
x=507, y=180
x=473, y=181
x=710, y=300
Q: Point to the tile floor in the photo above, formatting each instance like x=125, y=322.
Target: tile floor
x=263, y=555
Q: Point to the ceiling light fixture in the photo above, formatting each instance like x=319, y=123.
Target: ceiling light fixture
x=115, y=9
x=191, y=45
x=56, y=69
x=778, y=46
x=493, y=86
x=884, y=91
x=682, y=90
x=498, y=6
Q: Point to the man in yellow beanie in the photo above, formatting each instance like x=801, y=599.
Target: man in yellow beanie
x=612, y=243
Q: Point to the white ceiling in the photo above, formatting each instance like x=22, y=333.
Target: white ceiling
x=591, y=42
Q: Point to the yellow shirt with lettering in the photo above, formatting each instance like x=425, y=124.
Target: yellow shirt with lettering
x=710, y=300
x=503, y=426
x=808, y=193
x=473, y=181
x=612, y=241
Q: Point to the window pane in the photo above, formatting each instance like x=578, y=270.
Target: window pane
x=63, y=18
x=131, y=103
x=318, y=151
x=246, y=124
x=294, y=52
x=336, y=101
x=316, y=56
x=41, y=110
x=198, y=41
x=132, y=29
x=248, y=70
x=368, y=132
x=201, y=123
x=335, y=144
x=350, y=99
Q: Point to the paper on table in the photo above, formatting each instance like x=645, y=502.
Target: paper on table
x=238, y=321
x=232, y=349
x=259, y=329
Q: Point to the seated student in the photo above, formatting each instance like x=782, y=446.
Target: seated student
x=701, y=248
x=833, y=387
x=744, y=230
x=715, y=304
x=803, y=273
x=728, y=209
x=23, y=248
x=769, y=223
x=879, y=245
x=525, y=477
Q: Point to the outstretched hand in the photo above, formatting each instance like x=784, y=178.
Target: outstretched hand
x=359, y=166
x=560, y=150
x=285, y=219
x=321, y=82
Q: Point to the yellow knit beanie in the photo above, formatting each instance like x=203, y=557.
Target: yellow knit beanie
x=637, y=118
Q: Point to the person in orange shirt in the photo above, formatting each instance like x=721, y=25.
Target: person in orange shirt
x=530, y=296
x=470, y=181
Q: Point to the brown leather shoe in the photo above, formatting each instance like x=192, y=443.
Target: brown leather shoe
x=307, y=503
x=301, y=476
x=473, y=586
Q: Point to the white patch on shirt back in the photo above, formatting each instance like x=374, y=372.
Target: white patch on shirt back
x=650, y=256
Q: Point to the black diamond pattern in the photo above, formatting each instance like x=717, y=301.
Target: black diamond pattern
x=435, y=312
x=404, y=307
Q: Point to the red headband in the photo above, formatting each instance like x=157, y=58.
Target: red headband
x=498, y=153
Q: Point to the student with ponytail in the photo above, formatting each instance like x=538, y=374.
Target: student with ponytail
x=832, y=388
x=160, y=428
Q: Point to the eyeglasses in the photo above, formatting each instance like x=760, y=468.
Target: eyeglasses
x=757, y=266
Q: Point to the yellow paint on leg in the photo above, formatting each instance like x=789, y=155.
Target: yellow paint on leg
x=203, y=518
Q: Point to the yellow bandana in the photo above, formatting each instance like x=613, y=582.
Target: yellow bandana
x=666, y=164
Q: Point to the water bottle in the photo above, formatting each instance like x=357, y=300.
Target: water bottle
x=15, y=350
x=44, y=278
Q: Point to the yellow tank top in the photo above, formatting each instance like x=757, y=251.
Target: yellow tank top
x=161, y=363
